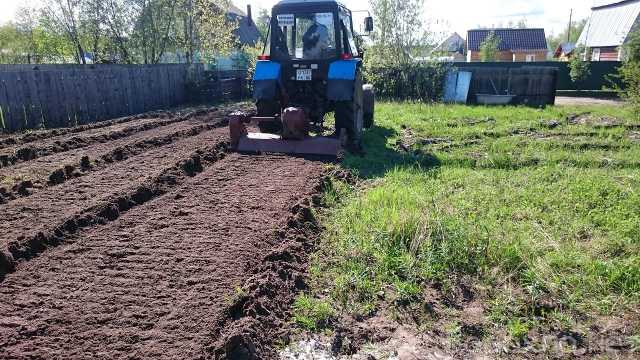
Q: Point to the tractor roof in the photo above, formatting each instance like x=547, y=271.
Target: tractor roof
x=307, y=2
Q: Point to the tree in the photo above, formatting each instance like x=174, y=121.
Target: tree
x=580, y=69
x=205, y=28
x=92, y=16
x=64, y=16
x=26, y=23
x=490, y=47
x=262, y=23
x=399, y=31
x=119, y=31
x=154, y=29
x=215, y=30
x=10, y=44
x=630, y=72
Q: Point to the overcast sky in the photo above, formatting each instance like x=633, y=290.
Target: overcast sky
x=449, y=15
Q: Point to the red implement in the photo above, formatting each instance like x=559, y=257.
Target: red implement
x=296, y=140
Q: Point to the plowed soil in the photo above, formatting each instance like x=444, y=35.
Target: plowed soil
x=143, y=256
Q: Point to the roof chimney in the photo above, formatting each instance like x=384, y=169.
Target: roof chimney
x=249, y=16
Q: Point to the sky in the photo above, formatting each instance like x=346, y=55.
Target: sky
x=447, y=16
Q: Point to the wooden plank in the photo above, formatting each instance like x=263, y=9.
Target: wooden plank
x=47, y=95
x=80, y=92
x=73, y=96
x=14, y=106
x=140, y=91
x=116, y=97
x=111, y=101
x=3, y=104
x=67, y=96
x=130, y=90
x=7, y=110
x=35, y=117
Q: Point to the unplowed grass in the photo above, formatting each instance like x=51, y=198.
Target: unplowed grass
x=533, y=213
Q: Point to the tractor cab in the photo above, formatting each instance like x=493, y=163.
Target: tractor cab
x=311, y=66
x=303, y=31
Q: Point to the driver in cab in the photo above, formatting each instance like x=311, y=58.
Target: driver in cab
x=315, y=41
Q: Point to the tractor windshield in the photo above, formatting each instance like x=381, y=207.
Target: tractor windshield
x=307, y=36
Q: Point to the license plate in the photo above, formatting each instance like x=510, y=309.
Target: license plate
x=304, y=75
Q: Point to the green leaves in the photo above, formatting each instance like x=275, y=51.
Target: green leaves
x=411, y=81
x=490, y=47
x=120, y=31
x=630, y=71
x=580, y=69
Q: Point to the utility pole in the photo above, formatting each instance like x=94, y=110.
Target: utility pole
x=570, y=25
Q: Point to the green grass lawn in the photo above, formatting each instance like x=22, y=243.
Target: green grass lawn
x=535, y=211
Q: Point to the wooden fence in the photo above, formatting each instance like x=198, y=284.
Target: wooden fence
x=221, y=85
x=50, y=96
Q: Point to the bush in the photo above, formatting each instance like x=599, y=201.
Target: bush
x=580, y=70
x=630, y=72
x=413, y=81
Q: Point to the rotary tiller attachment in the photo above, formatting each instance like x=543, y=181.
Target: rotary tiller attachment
x=294, y=139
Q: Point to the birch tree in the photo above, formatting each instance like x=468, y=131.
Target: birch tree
x=64, y=16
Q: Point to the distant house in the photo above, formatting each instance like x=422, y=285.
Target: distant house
x=608, y=29
x=451, y=49
x=515, y=45
x=564, y=51
x=247, y=32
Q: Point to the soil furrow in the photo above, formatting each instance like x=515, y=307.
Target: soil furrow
x=154, y=282
x=22, y=181
x=29, y=222
x=59, y=133
x=12, y=156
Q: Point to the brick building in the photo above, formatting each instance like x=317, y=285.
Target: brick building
x=525, y=45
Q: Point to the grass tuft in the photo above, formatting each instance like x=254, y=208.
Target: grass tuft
x=310, y=313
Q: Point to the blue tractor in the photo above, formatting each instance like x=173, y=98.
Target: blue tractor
x=311, y=66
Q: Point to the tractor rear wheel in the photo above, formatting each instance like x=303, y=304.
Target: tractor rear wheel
x=350, y=115
x=369, y=102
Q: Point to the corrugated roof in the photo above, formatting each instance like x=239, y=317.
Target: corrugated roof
x=609, y=25
x=512, y=39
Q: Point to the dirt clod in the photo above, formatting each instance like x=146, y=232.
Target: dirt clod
x=26, y=154
x=69, y=171
x=552, y=124
x=57, y=177
x=85, y=163
x=24, y=187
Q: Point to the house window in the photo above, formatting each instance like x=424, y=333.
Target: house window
x=595, y=55
x=530, y=58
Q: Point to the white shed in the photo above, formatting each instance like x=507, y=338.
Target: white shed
x=609, y=27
